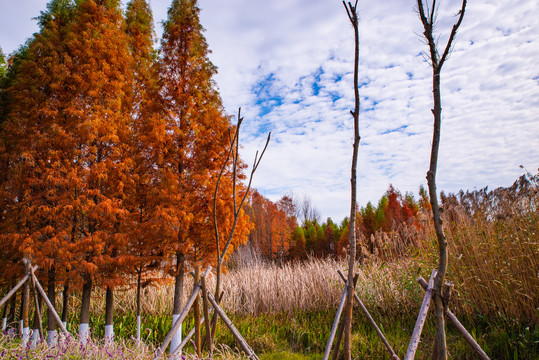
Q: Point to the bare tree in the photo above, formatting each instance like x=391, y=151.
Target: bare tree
x=307, y=211
x=233, y=152
x=354, y=19
x=428, y=19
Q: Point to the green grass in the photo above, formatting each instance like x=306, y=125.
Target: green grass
x=303, y=335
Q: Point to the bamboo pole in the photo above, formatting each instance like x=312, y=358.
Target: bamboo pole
x=371, y=321
x=182, y=316
x=455, y=321
x=15, y=288
x=420, y=322
x=246, y=348
x=335, y=324
x=47, y=301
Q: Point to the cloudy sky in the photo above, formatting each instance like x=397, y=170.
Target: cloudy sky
x=288, y=64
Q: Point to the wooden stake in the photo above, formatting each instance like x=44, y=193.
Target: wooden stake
x=371, y=321
x=335, y=324
x=455, y=321
x=245, y=347
x=15, y=288
x=340, y=331
x=418, y=328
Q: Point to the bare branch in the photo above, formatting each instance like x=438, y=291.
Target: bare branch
x=232, y=141
x=432, y=11
x=348, y=12
x=453, y=33
x=237, y=212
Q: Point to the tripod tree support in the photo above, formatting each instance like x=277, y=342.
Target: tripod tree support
x=335, y=324
x=420, y=322
x=16, y=288
x=49, y=305
x=465, y=334
x=371, y=320
x=245, y=347
x=182, y=316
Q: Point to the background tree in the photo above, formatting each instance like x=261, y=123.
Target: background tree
x=427, y=16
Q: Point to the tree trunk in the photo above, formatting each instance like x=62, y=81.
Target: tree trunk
x=196, y=310
x=428, y=20
x=109, y=314
x=209, y=342
x=440, y=348
x=65, y=302
x=84, y=327
x=51, y=294
x=348, y=309
x=25, y=324
x=36, y=322
x=139, y=287
x=178, y=294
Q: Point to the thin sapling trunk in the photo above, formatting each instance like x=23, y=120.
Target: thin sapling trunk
x=428, y=20
x=348, y=309
x=233, y=151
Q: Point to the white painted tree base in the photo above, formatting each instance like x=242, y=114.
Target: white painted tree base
x=84, y=333
x=52, y=338
x=138, y=327
x=25, y=336
x=34, y=340
x=4, y=324
x=177, y=339
x=109, y=333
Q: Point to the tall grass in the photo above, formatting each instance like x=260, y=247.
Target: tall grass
x=494, y=265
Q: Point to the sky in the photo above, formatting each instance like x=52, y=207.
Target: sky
x=289, y=65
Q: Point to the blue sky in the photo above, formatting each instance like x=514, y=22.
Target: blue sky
x=288, y=64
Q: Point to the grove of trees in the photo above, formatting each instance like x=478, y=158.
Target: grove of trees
x=110, y=150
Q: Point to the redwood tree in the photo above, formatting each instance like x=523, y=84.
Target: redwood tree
x=195, y=137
